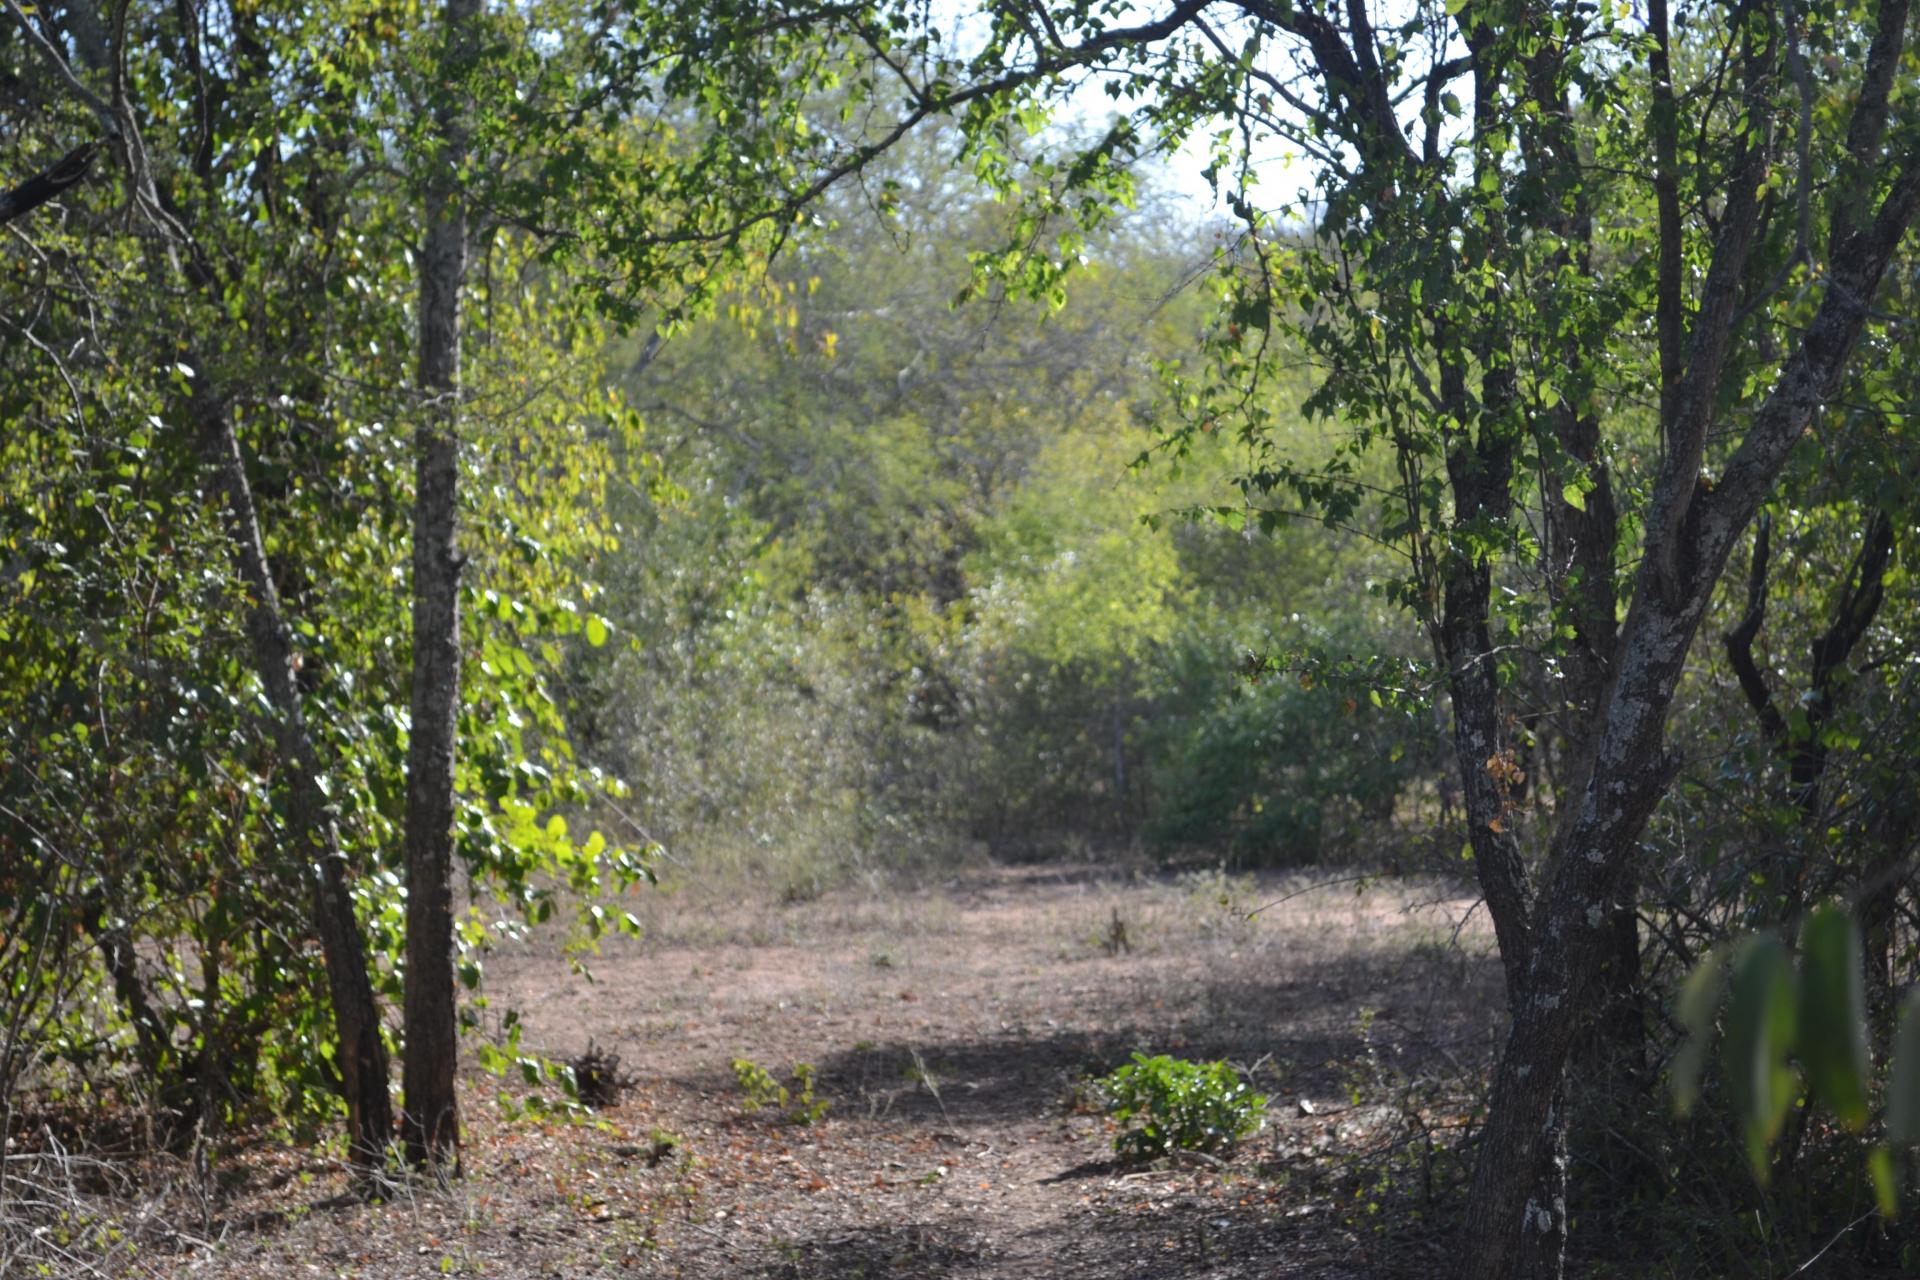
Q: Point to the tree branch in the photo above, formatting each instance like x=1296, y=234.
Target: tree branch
x=1698, y=389
x=1811, y=378
x=109, y=123
x=1867, y=129
x=1669, y=303
x=1739, y=641
x=65, y=172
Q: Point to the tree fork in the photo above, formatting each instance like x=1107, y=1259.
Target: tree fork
x=1632, y=769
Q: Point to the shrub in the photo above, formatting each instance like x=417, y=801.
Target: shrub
x=1180, y=1106
x=1283, y=771
x=797, y=1104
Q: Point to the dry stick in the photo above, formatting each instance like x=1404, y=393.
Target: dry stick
x=1808, y=1264
x=1324, y=884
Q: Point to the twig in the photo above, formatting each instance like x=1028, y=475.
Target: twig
x=1808, y=1264
x=1324, y=884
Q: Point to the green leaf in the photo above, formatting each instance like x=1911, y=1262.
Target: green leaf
x=596, y=630
x=1699, y=999
x=1886, y=1181
x=1760, y=1032
x=1903, y=1078
x=1833, y=1012
x=1574, y=497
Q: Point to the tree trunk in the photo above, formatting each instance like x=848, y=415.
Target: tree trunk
x=312, y=838
x=153, y=1048
x=1509, y=1230
x=1691, y=532
x=432, y=1121
x=1543, y=1238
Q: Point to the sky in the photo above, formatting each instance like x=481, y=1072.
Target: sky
x=1280, y=173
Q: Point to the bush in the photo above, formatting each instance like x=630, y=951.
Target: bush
x=1181, y=1106
x=1280, y=772
x=797, y=1105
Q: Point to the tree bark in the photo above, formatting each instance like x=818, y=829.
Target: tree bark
x=1580, y=545
x=432, y=1121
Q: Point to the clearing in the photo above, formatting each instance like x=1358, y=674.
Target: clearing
x=952, y=1029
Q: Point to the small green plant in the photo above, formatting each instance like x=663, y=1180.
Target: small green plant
x=758, y=1084
x=798, y=1104
x=1180, y=1106
x=806, y=1109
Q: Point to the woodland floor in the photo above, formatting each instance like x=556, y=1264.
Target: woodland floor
x=951, y=1028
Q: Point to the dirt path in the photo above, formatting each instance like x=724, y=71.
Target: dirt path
x=949, y=1030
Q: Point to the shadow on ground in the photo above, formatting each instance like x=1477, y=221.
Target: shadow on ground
x=909, y=1251
x=1022, y=1073
x=1187, y=1239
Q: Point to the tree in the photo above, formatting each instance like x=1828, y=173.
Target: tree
x=173, y=250
x=207, y=495
x=431, y=1117
x=1487, y=247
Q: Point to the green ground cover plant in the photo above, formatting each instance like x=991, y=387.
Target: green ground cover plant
x=1170, y=1104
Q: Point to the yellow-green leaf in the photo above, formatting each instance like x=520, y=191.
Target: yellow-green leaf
x=1761, y=1020
x=1886, y=1181
x=1699, y=998
x=1833, y=1014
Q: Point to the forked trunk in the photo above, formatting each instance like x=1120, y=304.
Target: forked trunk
x=1569, y=934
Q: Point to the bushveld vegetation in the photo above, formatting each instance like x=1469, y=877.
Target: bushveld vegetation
x=455, y=462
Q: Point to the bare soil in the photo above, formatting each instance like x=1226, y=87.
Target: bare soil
x=953, y=1030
